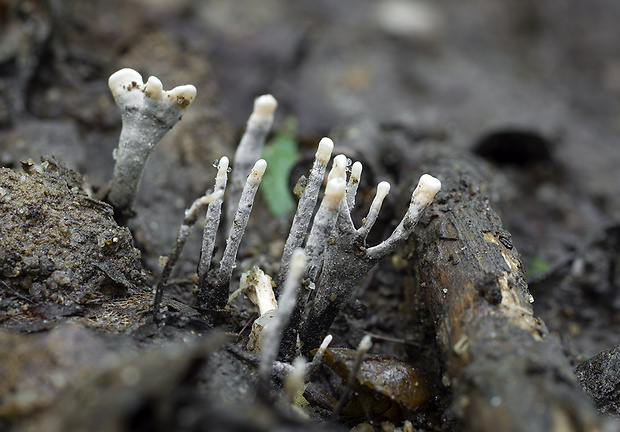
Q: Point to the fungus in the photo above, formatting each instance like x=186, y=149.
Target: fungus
x=319, y=354
x=251, y=145
x=188, y=222
x=316, y=280
x=212, y=222
x=347, y=258
x=306, y=205
x=147, y=113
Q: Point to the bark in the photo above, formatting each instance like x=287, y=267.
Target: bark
x=599, y=377
x=507, y=372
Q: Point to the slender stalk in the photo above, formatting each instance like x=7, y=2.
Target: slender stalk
x=189, y=220
x=352, y=185
x=306, y=205
x=212, y=222
x=250, y=147
x=383, y=189
x=421, y=198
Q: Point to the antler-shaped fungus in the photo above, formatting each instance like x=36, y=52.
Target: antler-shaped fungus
x=347, y=258
x=147, y=112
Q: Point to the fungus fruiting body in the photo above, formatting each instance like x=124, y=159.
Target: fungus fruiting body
x=147, y=113
x=251, y=145
x=347, y=258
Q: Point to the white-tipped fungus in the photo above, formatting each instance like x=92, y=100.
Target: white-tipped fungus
x=188, y=222
x=363, y=347
x=306, y=205
x=422, y=196
x=264, y=109
x=352, y=185
x=250, y=146
x=212, y=222
x=425, y=192
x=323, y=225
x=383, y=189
x=339, y=168
x=347, y=259
x=147, y=113
x=318, y=356
x=335, y=258
x=324, y=151
x=334, y=191
x=257, y=173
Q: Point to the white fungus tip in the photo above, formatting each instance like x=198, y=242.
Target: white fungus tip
x=326, y=342
x=183, y=95
x=427, y=188
x=338, y=168
x=298, y=262
x=222, y=166
x=257, y=173
x=365, y=344
x=334, y=193
x=153, y=88
x=265, y=105
x=318, y=356
x=356, y=170
x=122, y=78
x=383, y=189
x=324, y=152
x=340, y=160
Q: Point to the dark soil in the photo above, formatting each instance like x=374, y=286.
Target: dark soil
x=530, y=86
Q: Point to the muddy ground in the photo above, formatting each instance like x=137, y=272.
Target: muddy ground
x=532, y=87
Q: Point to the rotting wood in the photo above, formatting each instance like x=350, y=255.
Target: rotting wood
x=506, y=371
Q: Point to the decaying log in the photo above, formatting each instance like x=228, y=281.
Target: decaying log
x=600, y=379
x=507, y=372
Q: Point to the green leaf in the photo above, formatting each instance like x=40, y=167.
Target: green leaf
x=281, y=155
x=536, y=266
